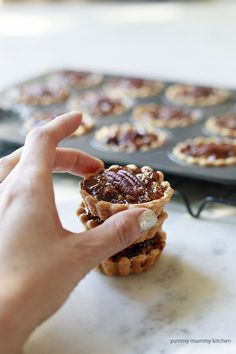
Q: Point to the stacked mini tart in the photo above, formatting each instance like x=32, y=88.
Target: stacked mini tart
x=120, y=188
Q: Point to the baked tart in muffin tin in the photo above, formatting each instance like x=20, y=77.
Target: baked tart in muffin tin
x=97, y=104
x=38, y=119
x=133, y=87
x=209, y=151
x=76, y=79
x=129, y=138
x=224, y=125
x=120, y=188
x=164, y=116
x=39, y=93
x=137, y=258
x=90, y=222
x=191, y=95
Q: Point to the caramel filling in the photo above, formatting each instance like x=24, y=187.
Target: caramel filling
x=196, y=91
x=133, y=138
x=137, y=249
x=227, y=121
x=99, y=104
x=93, y=217
x=165, y=113
x=211, y=151
x=75, y=76
x=125, y=186
x=131, y=83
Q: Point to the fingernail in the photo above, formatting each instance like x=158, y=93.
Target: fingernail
x=147, y=220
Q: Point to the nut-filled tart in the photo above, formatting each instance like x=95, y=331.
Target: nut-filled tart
x=129, y=138
x=76, y=79
x=90, y=221
x=39, y=93
x=207, y=151
x=191, y=95
x=97, y=103
x=120, y=188
x=133, y=87
x=224, y=125
x=164, y=116
x=137, y=258
x=41, y=118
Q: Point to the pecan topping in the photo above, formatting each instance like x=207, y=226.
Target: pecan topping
x=125, y=182
x=197, y=91
x=212, y=150
x=125, y=185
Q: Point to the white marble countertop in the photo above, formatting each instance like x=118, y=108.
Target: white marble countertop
x=191, y=293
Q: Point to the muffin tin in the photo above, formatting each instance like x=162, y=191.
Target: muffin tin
x=162, y=158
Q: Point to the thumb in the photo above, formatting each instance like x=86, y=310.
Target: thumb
x=115, y=234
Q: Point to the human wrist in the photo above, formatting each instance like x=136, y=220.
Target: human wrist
x=12, y=320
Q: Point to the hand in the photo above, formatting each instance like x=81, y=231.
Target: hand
x=40, y=261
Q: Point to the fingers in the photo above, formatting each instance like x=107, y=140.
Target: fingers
x=115, y=234
x=7, y=163
x=76, y=162
x=40, y=145
x=66, y=160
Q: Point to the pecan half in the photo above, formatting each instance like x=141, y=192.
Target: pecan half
x=125, y=182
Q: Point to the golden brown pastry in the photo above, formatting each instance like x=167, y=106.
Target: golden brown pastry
x=191, y=95
x=207, y=151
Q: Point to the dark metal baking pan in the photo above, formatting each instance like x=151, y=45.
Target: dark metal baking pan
x=162, y=158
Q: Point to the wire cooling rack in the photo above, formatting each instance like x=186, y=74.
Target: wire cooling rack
x=208, y=194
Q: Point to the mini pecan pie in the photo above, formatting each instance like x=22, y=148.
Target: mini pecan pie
x=122, y=187
x=76, y=79
x=98, y=104
x=90, y=221
x=207, y=151
x=40, y=93
x=133, y=87
x=164, y=116
x=129, y=138
x=137, y=258
x=195, y=95
x=224, y=124
x=42, y=118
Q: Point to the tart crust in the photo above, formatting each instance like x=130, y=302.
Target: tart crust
x=175, y=94
x=105, y=209
x=119, y=87
x=212, y=126
x=113, y=130
x=90, y=222
x=85, y=127
x=204, y=161
x=188, y=117
x=137, y=264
